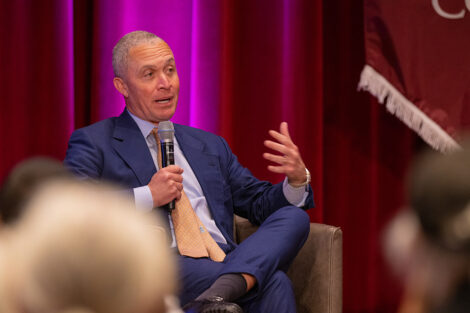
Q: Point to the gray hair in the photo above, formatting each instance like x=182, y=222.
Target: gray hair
x=85, y=246
x=128, y=41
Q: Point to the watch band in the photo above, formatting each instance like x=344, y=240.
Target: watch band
x=307, y=181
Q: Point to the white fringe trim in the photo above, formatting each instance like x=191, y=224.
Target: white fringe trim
x=406, y=111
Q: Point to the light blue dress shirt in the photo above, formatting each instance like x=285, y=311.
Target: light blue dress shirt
x=192, y=188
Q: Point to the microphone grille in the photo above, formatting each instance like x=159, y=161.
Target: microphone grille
x=166, y=131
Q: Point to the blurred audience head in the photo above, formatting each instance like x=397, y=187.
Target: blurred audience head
x=439, y=192
x=83, y=248
x=23, y=180
x=429, y=244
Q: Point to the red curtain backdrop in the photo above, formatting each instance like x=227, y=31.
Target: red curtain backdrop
x=245, y=66
x=367, y=152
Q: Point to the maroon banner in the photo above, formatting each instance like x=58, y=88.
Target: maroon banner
x=418, y=64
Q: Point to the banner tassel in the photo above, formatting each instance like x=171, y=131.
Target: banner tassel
x=406, y=111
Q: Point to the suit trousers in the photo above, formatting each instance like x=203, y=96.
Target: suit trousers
x=266, y=254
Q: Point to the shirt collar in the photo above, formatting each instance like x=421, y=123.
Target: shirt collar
x=145, y=126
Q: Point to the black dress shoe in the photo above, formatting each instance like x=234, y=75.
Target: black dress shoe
x=212, y=305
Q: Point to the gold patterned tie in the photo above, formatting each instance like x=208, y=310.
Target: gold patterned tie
x=192, y=237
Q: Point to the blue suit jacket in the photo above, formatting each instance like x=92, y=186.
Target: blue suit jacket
x=115, y=150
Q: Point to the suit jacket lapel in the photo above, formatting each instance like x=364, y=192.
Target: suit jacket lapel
x=132, y=147
x=205, y=166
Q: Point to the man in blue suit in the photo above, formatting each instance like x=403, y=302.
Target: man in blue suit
x=123, y=150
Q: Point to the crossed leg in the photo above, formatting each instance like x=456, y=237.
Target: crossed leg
x=265, y=255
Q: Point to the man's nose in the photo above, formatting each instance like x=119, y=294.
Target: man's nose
x=163, y=82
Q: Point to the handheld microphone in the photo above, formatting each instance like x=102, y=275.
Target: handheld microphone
x=166, y=133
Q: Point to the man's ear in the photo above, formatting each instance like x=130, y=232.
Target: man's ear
x=121, y=86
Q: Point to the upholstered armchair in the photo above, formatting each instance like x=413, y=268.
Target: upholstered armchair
x=316, y=272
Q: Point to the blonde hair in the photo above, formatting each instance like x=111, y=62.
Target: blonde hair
x=84, y=248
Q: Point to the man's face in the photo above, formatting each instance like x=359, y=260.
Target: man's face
x=151, y=85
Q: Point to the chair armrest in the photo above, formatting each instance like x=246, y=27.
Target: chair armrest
x=242, y=228
x=316, y=272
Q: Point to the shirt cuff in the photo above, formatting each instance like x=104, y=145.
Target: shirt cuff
x=295, y=195
x=143, y=199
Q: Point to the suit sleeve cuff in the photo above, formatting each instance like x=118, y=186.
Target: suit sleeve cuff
x=295, y=195
x=143, y=199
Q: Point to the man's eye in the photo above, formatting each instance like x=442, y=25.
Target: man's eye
x=148, y=74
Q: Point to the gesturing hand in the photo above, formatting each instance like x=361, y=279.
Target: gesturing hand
x=289, y=161
x=166, y=185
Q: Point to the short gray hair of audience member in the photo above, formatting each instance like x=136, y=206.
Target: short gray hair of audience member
x=22, y=181
x=124, y=45
x=439, y=191
x=85, y=248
